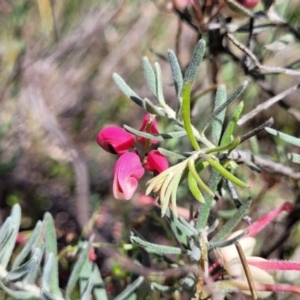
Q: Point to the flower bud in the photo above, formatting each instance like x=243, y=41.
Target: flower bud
x=115, y=140
x=156, y=162
x=149, y=125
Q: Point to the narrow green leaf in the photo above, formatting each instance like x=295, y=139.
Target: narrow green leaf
x=130, y=289
x=227, y=147
x=48, y=272
x=181, y=232
x=21, y=294
x=99, y=287
x=5, y=233
x=186, y=115
x=127, y=90
x=216, y=165
x=149, y=75
x=152, y=109
x=204, y=210
x=156, y=137
x=193, y=67
x=8, y=248
x=226, y=243
x=226, y=138
x=87, y=294
x=176, y=73
x=154, y=248
x=35, y=236
x=233, y=97
x=193, y=186
x=232, y=222
x=202, y=185
x=21, y=271
x=168, y=153
x=189, y=226
x=37, y=255
x=51, y=248
x=46, y=295
x=159, y=85
x=295, y=158
x=283, y=136
x=217, y=123
x=83, y=256
x=85, y=276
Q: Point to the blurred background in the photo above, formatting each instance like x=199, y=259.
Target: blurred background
x=56, y=92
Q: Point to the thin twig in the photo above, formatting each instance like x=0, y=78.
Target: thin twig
x=262, y=68
x=247, y=270
x=236, y=200
x=259, y=163
x=257, y=130
x=267, y=104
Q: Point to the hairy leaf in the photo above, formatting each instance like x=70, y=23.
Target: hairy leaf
x=232, y=124
x=176, y=73
x=130, y=289
x=232, y=222
x=7, y=249
x=127, y=90
x=186, y=115
x=149, y=75
x=154, y=248
x=233, y=97
x=217, y=123
x=51, y=248
x=193, y=67
x=283, y=136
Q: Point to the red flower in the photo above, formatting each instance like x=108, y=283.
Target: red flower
x=115, y=140
x=150, y=126
x=156, y=162
x=248, y=3
x=128, y=170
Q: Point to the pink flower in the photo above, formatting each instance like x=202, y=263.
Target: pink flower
x=156, y=162
x=248, y=3
x=115, y=140
x=128, y=170
x=150, y=126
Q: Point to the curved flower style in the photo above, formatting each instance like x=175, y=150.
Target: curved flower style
x=128, y=170
x=149, y=125
x=156, y=162
x=115, y=140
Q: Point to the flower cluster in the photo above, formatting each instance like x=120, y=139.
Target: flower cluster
x=130, y=166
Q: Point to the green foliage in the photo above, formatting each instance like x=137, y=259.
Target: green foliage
x=21, y=280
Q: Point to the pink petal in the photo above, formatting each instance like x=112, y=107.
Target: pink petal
x=128, y=170
x=274, y=264
x=147, y=127
x=156, y=162
x=115, y=140
x=248, y=3
x=266, y=219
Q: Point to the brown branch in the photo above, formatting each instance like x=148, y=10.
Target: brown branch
x=265, y=105
x=263, y=163
x=261, y=68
